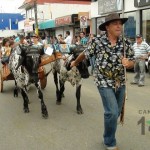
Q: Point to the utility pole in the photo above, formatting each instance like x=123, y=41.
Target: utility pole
x=36, y=20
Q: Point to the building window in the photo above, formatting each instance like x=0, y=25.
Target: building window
x=130, y=26
x=146, y=25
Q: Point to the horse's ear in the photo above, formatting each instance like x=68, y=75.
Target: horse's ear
x=19, y=46
x=41, y=49
x=23, y=49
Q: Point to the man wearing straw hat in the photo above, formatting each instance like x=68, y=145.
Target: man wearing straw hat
x=113, y=53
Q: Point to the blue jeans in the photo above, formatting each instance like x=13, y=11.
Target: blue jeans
x=112, y=103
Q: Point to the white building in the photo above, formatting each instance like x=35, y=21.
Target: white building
x=137, y=11
x=56, y=18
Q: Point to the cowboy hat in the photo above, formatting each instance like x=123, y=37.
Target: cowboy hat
x=110, y=18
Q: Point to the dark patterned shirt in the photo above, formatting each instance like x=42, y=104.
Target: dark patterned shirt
x=108, y=64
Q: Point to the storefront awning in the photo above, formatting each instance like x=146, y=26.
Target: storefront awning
x=27, y=4
x=47, y=24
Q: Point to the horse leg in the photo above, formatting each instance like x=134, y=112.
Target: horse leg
x=78, y=95
x=56, y=84
x=16, y=90
x=62, y=88
x=43, y=106
x=25, y=98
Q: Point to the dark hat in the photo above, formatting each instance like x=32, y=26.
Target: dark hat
x=34, y=35
x=138, y=36
x=5, y=40
x=110, y=18
x=21, y=36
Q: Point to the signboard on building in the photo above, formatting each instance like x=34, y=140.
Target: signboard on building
x=83, y=14
x=28, y=25
x=63, y=21
x=107, y=6
x=66, y=20
x=140, y=3
x=83, y=22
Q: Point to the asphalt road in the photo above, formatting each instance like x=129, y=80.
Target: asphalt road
x=65, y=129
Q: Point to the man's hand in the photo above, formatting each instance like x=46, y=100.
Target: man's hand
x=78, y=60
x=127, y=63
x=73, y=63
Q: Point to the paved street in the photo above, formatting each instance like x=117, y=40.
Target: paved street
x=64, y=129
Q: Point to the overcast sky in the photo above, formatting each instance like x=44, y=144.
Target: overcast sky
x=10, y=6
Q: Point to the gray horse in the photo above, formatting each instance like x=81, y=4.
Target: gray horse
x=73, y=75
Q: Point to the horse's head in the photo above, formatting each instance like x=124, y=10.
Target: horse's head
x=76, y=50
x=17, y=56
x=73, y=75
x=68, y=60
x=82, y=66
x=67, y=73
x=33, y=58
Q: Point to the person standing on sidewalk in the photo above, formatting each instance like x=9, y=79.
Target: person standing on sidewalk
x=141, y=50
x=84, y=40
x=92, y=58
x=109, y=72
x=67, y=40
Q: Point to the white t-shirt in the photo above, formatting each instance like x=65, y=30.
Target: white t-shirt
x=39, y=44
x=68, y=40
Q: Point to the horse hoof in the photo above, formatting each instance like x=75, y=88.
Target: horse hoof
x=44, y=112
x=16, y=92
x=26, y=110
x=58, y=103
x=45, y=116
x=63, y=95
x=15, y=95
x=80, y=111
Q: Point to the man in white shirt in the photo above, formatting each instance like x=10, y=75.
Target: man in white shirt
x=67, y=40
x=141, y=52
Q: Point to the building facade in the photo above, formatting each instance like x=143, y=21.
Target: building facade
x=59, y=16
x=137, y=11
x=9, y=23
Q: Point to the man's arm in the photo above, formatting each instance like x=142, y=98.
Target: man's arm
x=78, y=59
x=61, y=41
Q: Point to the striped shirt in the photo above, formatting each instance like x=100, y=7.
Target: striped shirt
x=141, y=49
